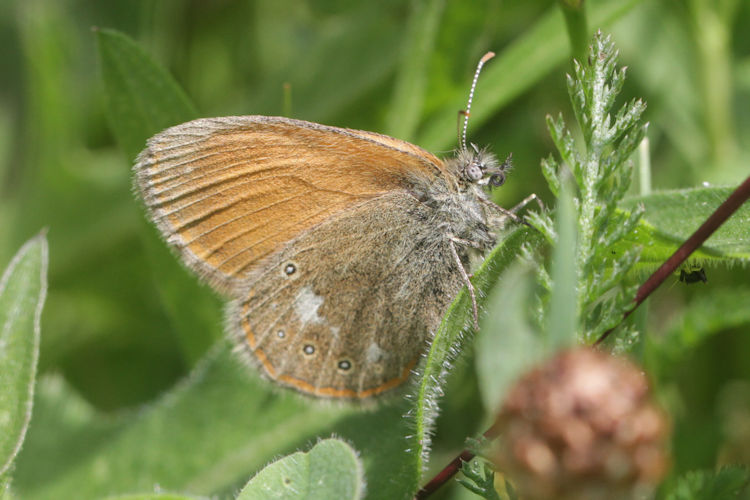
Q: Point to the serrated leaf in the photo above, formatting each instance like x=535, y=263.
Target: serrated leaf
x=677, y=214
x=23, y=288
x=671, y=217
x=549, y=170
x=331, y=469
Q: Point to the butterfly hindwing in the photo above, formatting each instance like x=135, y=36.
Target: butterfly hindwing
x=344, y=310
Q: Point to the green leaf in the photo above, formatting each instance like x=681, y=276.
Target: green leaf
x=66, y=430
x=23, y=288
x=330, y=469
x=479, y=478
x=207, y=434
x=206, y=437
x=153, y=496
x=729, y=483
x=449, y=337
x=507, y=345
x=562, y=322
x=677, y=214
x=142, y=98
x=5, y=492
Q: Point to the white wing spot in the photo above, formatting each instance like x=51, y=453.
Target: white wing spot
x=306, y=305
x=374, y=353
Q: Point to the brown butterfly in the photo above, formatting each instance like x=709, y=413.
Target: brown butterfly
x=340, y=249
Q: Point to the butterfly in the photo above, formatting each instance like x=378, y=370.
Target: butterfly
x=340, y=249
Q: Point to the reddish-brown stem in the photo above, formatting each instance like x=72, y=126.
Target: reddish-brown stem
x=452, y=468
x=716, y=219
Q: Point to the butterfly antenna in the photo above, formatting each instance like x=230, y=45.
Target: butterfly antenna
x=461, y=114
x=484, y=59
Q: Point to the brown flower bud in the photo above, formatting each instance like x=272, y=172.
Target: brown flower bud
x=582, y=426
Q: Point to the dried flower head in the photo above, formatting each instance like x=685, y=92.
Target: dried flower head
x=583, y=426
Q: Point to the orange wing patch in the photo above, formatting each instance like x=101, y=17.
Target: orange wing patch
x=229, y=192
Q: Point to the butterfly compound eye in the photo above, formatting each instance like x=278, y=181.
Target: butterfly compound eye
x=474, y=171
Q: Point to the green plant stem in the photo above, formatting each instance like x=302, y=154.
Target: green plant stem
x=577, y=25
x=644, y=167
x=711, y=23
x=591, y=172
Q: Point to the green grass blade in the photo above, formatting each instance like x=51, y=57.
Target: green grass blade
x=405, y=110
x=515, y=69
x=562, y=327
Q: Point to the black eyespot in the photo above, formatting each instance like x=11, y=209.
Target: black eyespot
x=281, y=334
x=497, y=180
x=345, y=364
x=290, y=269
x=308, y=349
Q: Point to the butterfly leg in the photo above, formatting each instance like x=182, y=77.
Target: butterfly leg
x=452, y=244
x=526, y=201
x=512, y=213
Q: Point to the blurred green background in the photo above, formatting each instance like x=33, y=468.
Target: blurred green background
x=349, y=64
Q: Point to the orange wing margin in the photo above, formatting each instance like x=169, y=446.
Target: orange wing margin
x=228, y=192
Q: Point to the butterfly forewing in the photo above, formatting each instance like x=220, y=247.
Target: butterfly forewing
x=229, y=192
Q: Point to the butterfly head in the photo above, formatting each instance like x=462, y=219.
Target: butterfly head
x=475, y=166
x=479, y=166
